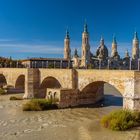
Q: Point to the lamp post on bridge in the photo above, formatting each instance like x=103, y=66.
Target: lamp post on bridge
x=61, y=64
x=108, y=64
x=138, y=64
x=130, y=64
x=98, y=59
x=100, y=64
x=10, y=64
x=69, y=64
x=35, y=64
x=42, y=64
x=5, y=65
x=46, y=64
x=54, y=64
x=86, y=64
x=17, y=64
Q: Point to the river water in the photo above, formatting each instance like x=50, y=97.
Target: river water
x=66, y=124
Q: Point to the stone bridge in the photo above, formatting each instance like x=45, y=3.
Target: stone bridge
x=74, y=86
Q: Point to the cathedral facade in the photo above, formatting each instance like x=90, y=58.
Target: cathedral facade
x=102, y=58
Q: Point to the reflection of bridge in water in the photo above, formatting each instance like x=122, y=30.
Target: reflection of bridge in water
x=73, y=87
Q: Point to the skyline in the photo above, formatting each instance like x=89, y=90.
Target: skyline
x=37, y=28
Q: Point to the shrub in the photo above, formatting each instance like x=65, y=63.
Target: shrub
x=30, y=106
x=16, y=98
x=2, y=91
x=39, y=105
x=136, y=116
x=121, y=120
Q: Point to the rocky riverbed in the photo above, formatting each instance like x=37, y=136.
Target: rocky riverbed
x=67, y=124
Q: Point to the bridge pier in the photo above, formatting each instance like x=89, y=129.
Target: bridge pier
x=131, y=97
x=32, y=83
x=131, y=103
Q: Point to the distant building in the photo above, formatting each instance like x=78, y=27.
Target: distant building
x=102, y=51
x=101, y=59
x=76, y=59
x=135, y=49
x=47, y=63
x=67, y=50
x=85, y=52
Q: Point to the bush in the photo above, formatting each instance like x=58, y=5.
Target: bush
x=16, y=98
x=39, y=105
x=121, y=120
x=2, y=91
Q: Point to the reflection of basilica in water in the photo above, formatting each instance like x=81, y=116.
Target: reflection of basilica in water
x=102, y=59
x=99, y=60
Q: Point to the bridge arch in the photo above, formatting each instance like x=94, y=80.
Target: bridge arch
x=3, y=80
x=20, y=83
x=48, y=82
x=119, y=85
x=94, y=92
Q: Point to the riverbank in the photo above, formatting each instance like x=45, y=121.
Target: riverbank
x=65, y=124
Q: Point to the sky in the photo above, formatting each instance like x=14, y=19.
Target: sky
x=36, y=28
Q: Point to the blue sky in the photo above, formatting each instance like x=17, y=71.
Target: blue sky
x=36, y=28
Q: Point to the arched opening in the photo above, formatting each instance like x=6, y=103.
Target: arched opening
x=49, y=82
x=101, y=91
x=20, y=84
x=54, y=95
x=3, y=81
x=112, y=97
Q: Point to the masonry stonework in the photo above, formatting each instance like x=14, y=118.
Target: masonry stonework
x=79, y=86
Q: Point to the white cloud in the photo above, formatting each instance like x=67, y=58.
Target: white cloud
x=31, y=48
x=54, y=48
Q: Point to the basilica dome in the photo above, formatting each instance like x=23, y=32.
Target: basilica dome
x=102, y=51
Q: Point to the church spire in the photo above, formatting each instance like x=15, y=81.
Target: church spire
x=67, y=34
x=102, y=41
x=85, y=27
x=114, y=39
x=76, y=53
x=136, y=35
x=126, y=54
x=114, y=51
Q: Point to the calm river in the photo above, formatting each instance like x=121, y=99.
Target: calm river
x=66, y=124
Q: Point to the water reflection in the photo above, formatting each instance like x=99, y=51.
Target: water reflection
x=111, y=100
x=112, y=97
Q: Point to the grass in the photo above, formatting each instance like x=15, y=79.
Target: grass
x=16, y=98
x=39, y=105
x=2, y=91
x=121, y=120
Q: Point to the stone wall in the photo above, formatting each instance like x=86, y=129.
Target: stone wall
x=12, y=74
x=73, y=97
x=116, y=78
x=64, y=76
x=53, y=94
x=68, y=98
x=32, y=83
x=131, y=98
x=73, y=82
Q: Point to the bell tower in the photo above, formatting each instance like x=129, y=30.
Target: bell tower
x=67, y=50
x=135, y=49
x=85, y=47
x=114, y=47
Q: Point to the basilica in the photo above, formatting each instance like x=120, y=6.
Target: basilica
x=87, y=60
x=102, y=59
